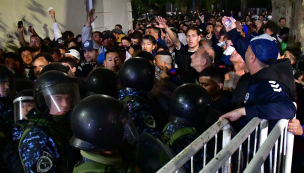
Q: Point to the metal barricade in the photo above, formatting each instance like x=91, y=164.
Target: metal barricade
x=279, y=161
x=181, y=158
x=262, y=146
x=284, y=155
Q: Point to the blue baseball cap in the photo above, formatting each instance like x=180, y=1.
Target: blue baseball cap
x=265, y=48
x=90, y=45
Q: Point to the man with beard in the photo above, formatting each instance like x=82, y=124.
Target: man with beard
x=108, y=41
x=111, y=59
x=42, y=59
x=35, y=44
x=91, y=52
x=35, y=41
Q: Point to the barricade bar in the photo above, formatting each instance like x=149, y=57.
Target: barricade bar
x=263, y=152
x=220, y=159
x=181, y=158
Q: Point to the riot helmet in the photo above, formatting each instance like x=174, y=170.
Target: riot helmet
x=96, y=124
x=58, y=67
x=23, y=103
x=137, y=73
x=55, y=92
x=7, y=83
x=189, y=104
x=102, y=81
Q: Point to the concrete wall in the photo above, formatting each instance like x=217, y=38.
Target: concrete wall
x=70, y=14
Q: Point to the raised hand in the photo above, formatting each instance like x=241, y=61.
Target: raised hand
x=91, y=17
x=232, y=25
x=20, y=30
x=52, y=13
x=162, y=23
x=32, y=30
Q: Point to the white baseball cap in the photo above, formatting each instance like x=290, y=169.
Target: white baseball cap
x=74, y=53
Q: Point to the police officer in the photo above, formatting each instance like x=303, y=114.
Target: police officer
x=137, y=78
x=48, y=132
x=98, y=133
x=7, y=91
x=189, y=109
x=23, y=103
x=102, y=81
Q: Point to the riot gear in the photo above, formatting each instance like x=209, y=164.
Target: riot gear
x=58, y=67
x=102, y=81
x=7, y=82
x=138, y=74
x=23, y=103
x=56, y=92
x=188, y=104
x=96, y=124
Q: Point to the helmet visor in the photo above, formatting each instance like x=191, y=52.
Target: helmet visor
x=22, y=105
x=61, y=97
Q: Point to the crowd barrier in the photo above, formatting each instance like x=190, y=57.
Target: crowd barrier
x=276, y=147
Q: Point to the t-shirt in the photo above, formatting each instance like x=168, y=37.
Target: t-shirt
x=182, y=58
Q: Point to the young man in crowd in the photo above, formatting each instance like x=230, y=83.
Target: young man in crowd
x=184, y=53
x=91, y=52
x=212, y=79
x=111, y=59
x=156, y=33
x=26, y=55
x=148, y=44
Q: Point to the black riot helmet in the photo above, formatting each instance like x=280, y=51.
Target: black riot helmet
x=7, y=83
x=58, y=67
x=23, y=103
x=137, y=73
x=96, y=124
x=55, y=92
x=189, y=104
x=102, y=81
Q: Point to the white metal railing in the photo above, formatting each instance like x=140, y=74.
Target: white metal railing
x=286, y=144
x=181, y=158
x=280, y=162
x=236, y=143
x=256, y=128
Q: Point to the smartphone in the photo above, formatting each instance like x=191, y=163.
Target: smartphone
x=20, y=24
x=31, y=27
x=228, y=22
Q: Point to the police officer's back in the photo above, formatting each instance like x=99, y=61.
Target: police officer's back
x=189, y=109
x=137, y=78
x=44, y=145
x=98, y=133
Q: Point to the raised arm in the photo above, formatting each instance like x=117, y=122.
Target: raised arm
x=86, y=33
x=57, y=32
x=21, y=36
x=162, y=24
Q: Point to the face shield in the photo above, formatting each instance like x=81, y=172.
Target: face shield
x=61, y=97
x=22, y=105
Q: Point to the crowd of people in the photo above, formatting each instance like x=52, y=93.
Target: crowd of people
x=81, y=104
